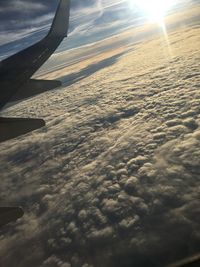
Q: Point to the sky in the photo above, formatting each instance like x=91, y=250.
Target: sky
x=23, y=22
x=113, y=177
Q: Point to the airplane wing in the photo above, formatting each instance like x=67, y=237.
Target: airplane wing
x=193, y=261
x=14, y=127
x=15, y=78
x=16, y=70
x=10, y=214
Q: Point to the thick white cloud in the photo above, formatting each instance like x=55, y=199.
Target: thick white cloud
x=113, y=178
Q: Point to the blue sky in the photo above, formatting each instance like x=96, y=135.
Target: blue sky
x=23, y=22
x=27, y=21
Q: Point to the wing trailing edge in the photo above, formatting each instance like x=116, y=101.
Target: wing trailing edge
x=16, y=70
x=13, y=127
x=15, y=74
x=10, y=214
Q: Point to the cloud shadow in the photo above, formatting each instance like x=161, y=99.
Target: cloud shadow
x=70, y=79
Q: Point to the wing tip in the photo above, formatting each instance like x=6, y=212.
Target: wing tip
x=62, y=13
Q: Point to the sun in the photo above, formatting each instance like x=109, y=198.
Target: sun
x=155, y=10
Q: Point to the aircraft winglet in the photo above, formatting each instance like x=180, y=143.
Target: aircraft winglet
x=16, y=70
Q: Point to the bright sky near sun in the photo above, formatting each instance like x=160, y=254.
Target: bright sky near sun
x=90, y=21
x=154, y=9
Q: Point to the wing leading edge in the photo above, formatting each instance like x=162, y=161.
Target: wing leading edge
x=15, y=77
x=16, y=70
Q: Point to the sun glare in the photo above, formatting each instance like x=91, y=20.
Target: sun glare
x=155, y=10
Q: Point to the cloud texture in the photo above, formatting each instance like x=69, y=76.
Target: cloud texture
x=113, y=179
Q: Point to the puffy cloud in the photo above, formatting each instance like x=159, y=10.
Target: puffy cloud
x=112, y=180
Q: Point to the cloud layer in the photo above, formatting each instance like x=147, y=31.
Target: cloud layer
x=113, y=179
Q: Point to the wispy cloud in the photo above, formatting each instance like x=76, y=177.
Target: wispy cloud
x=89, y=21
x=20, y=6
